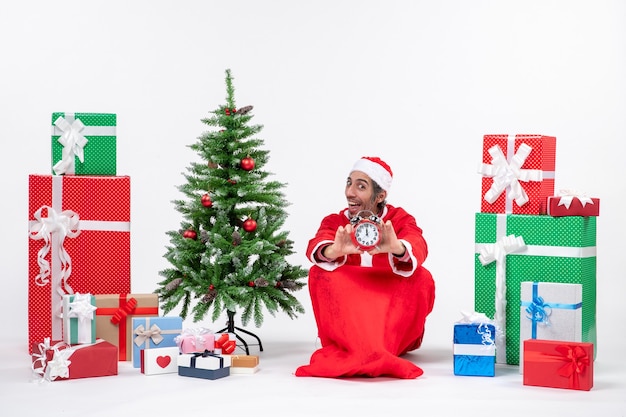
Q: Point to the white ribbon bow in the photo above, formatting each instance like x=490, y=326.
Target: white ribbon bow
x=473, y=318
x=568, y=195
x=73, y=143
x=497, y=252
x=58, y=366
x=81, y=308
x=143, y=334
x=64, y=224
x=508, y=175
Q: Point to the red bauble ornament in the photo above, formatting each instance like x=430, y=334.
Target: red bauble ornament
x=190, y=234
x=250, y=283
x=249, y=225
x=206, y=200
x=231, y=181
x=211, y=287
x=247, y=164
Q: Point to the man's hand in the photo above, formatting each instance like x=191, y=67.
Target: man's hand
x=389, y=242
x=342, y=245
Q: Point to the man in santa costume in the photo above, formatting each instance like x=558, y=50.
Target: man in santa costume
x=370, y=305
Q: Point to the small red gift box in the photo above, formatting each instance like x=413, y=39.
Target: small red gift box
x=57, y=360
x=568, y=204
x=225, y=343
x=558, y=364
x=79, y=229
x=518, y=173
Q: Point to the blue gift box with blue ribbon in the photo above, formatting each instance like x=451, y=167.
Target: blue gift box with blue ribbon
x=474, y=349
x=550, y=311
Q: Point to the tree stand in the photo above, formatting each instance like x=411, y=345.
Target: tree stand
x=230, y=328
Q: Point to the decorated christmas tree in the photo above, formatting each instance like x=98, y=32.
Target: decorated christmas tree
x=230, y=254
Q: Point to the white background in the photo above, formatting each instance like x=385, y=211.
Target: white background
x=415, y=82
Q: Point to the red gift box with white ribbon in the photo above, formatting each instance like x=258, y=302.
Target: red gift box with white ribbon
x=518, y=173
x=79, y=242
x=57, y=360
x=573, y=203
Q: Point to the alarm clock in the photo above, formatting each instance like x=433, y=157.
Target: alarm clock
x=366, y=231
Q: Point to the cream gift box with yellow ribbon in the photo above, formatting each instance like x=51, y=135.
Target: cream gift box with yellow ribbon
x=153, y=332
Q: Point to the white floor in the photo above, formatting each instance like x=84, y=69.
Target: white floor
x=275, y=391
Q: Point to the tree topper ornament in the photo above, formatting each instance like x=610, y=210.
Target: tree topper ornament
x=366, y=231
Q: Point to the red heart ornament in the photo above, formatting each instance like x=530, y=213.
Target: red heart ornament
x=163, y=361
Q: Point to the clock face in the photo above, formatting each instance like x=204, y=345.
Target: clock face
x=366, y=235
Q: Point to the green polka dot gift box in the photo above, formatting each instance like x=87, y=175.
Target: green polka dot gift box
x=513, y=248
x=84, y=143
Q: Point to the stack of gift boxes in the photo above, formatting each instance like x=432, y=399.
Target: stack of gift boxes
x=535, y=266
x=82, y=317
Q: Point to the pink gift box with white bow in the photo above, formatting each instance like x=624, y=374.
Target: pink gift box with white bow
x=195, y=340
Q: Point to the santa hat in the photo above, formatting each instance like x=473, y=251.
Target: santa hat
x=376, y=169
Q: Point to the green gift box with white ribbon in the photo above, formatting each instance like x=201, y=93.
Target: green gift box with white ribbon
x=84, y=143
x=513, y=248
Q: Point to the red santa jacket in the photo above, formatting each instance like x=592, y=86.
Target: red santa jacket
x=406, y=230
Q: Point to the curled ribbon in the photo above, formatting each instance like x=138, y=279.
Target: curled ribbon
x=64, y=224
x=497, y=252
x=143, y=334
x=508, y=175
x=567, y=196
x=485, y=333
x=538, y=311
x=73, y=143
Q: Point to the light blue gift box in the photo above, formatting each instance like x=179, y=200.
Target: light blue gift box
x=474, y=349
x=154, y=332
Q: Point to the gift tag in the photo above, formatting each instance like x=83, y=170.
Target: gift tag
x=157, y=361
